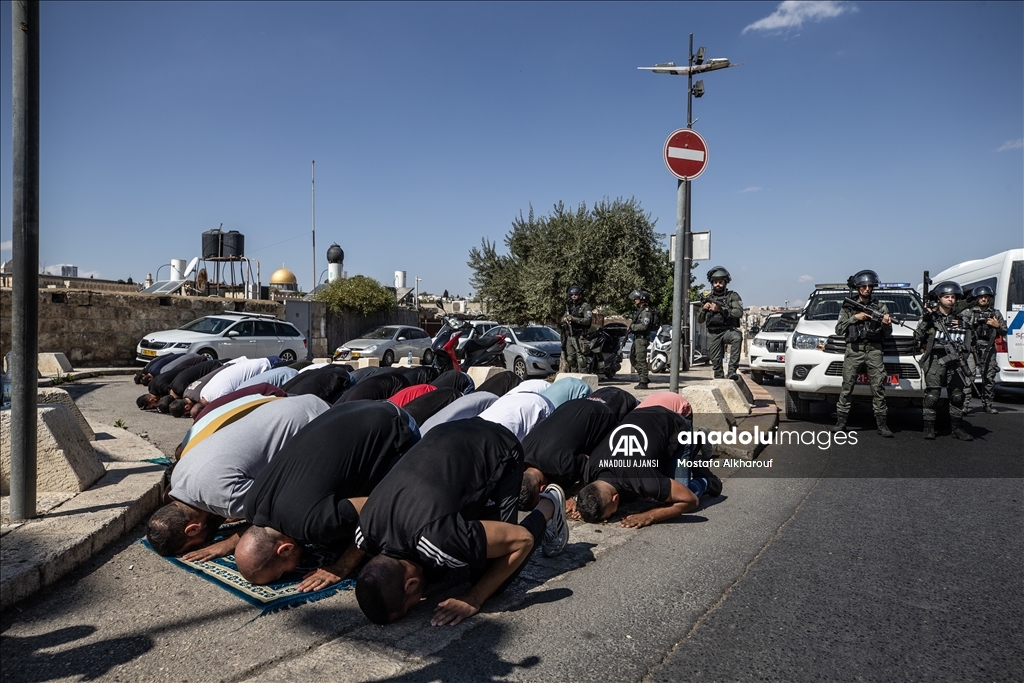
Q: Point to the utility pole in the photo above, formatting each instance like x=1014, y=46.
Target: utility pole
x=312, y=191
x=25, y=255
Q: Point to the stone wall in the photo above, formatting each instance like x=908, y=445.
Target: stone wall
x=101, y=329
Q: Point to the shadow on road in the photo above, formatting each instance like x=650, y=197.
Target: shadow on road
x=24, y=661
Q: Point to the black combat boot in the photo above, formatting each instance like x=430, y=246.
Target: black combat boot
x=958, y=432
x=840, y=423
x=883, y=429
x=929, y=430
x=642, y=384
x=990, y=410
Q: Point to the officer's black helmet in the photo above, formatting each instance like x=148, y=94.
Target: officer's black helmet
x=864, y=277
x=947, y=287
x=719, y=273
x=641, y=294
x=574, y=290
x=983, y=290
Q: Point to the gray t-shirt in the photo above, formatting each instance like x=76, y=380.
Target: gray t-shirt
x=463, y=408
x=217, y=473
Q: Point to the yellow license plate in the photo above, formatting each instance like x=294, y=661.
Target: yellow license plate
x=355, y=354
x=147, y=352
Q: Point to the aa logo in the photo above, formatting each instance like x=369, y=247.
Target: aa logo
x=628, y=441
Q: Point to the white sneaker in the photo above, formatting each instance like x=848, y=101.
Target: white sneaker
x=556, y=535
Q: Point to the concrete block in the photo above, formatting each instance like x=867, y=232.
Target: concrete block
x=627, y=367
x=710, y=410
x=591, y=380
x=65, y=460
x=735, y=400
x=56, y=396
x=54, y=364
x=479, y=375
x=360, y=363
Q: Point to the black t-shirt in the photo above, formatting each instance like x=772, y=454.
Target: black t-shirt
x=427, y=508
x=621, y=402
x=420, y=374
x=186, y=376
x=501, y=384
x=559, y=445
x=456, y=379
x=325, y=383
x=646, y=475
x=341, y=454
x=422, y=408
x=380, y=387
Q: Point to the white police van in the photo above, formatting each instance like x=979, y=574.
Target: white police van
x=814, y=354
x=1004, y=273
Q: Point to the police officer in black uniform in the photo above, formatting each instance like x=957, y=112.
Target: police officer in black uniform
x=986, y=324
x=641, y=327
x=945, y=358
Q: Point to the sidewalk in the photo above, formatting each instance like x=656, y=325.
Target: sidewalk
x=71, y=528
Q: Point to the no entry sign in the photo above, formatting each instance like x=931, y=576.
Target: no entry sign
x=686, y=154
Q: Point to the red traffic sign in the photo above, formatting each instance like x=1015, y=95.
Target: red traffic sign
x=686, y=154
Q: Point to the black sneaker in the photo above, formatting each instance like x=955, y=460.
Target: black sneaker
x=714, y=483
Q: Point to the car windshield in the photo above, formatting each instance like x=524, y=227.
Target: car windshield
x=379, y=333
x=826, y=305
x=535, y=334
x=208, y=325
x=779, y=324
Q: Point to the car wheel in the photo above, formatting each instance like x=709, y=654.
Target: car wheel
x=387, y=359
x=797, y=408
x=428, y=357
x=288, y=356
x=519, y=367
x=209, y=353
x=758, y=376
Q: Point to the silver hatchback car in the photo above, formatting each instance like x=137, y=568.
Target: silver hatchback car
x=388, y=343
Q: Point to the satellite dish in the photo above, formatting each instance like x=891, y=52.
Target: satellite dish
x=191, y=267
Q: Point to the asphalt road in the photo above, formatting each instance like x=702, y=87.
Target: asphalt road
x=888, y=560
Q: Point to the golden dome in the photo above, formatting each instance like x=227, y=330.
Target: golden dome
x=283, y=276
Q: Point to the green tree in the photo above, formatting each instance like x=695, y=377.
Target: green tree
x=357, y=293
x=609, y=250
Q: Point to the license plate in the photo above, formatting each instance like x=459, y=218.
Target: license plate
x=355, y=354
x=890, y=380
x=780, y=359
x=147, y=352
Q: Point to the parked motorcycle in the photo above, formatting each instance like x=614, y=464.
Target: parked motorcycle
x=659, y=349
x=482, y=351
x=605, y=356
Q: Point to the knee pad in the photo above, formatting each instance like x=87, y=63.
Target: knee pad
x=931, y=398
x=957, y=398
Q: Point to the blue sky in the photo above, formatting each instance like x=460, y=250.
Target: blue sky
x=856, y=135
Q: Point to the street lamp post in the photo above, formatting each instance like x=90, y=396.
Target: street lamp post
x=418, y=294
x=681, y=354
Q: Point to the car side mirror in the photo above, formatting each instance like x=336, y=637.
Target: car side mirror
x=401, y=339
x=232, y=334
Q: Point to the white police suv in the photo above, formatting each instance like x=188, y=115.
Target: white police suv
x=814, y=355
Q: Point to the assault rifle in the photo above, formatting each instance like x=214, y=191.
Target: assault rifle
x=956, y=349
x=721, y=300
x=875, y=314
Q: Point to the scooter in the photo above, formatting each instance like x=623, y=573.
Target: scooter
x=659, y=349
x=605, y=357
x=483, y=351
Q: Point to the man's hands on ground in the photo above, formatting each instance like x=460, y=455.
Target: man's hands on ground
x=637, y=521
x=452, y=611
x=570, y=509
x=213, y=551
x=318, y=579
